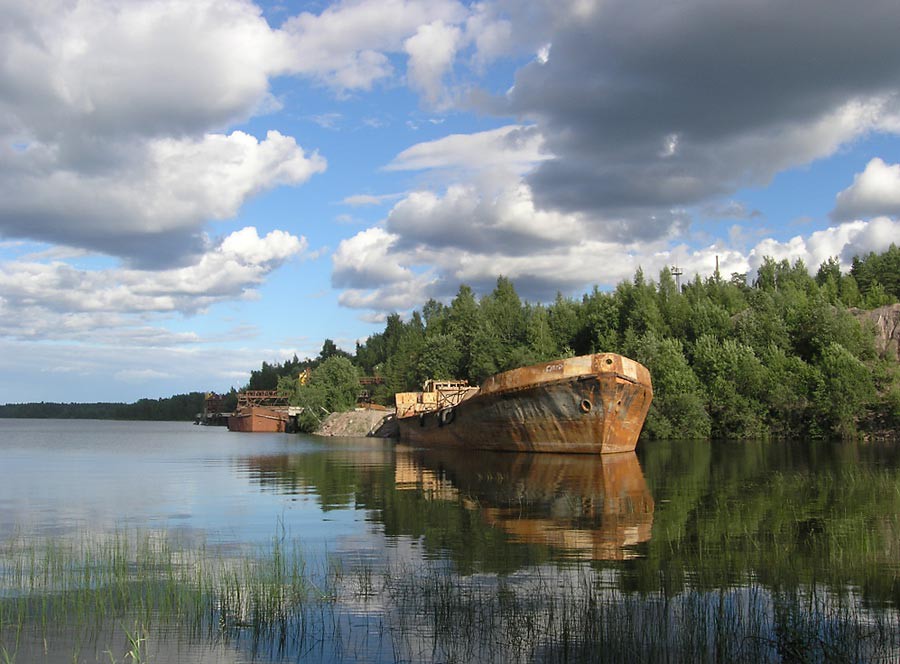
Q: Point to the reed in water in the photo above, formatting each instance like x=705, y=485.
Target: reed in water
x=125, y=595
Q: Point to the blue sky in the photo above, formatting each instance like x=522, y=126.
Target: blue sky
x=190, y=188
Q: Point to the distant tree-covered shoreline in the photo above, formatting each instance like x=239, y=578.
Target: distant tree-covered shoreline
x=180, y=407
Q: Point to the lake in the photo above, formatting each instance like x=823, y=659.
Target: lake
x=686, y=550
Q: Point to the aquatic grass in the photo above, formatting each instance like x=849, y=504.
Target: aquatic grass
x=48, y=587
x=570, y=618
x=133, y=590
x=137, y=637
x=6, y=657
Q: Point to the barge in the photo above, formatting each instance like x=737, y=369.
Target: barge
x=591, y=404
x=263, y=411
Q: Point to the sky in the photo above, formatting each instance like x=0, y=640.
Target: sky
x=191, y=187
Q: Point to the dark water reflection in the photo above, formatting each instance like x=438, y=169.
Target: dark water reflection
x=781, y=514
x=687, y=519
x=487, y=511
x=680, y=514
x=578, y=508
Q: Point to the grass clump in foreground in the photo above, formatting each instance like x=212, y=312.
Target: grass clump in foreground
x=144, y=585
x=133, y=592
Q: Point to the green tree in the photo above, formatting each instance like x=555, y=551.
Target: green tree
x=439, y=358
x=789, y=393
x=677, y=409
x=329, y=350
x=829, y=271
x=339, y=380
x=371, y=355
x=599, y=330
x=463, y=320
x=883, y=269
x=404, y=342
x=761, y=324
x=849, y=291
x=846, y=390
x=564, y=323
x=435, y=315
x=735, y=381
x=765, y=275
x=814, y=324
x=673, y=305
x=542, y=340
x=877, y=296
x=265, y=378
x=333, y=387
x=707, y=318
x=638, y=309
x=504, y=319
x=485, y=353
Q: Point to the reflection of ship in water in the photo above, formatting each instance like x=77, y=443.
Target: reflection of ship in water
x=593, y=508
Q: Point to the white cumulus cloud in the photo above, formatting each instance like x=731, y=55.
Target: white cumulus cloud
x=875, y=191
x=845, y=240
x=56, y=300
x=153, y=200
x=347, y=45
x=364, y=259
x=431, y=51
x=112, y=122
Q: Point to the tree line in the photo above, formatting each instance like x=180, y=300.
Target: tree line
x=781, y=356
x=177, y=407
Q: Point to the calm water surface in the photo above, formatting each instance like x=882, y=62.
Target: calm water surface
x=65, y=477
x=676, y=516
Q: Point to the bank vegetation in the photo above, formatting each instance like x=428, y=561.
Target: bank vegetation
x=788, y=354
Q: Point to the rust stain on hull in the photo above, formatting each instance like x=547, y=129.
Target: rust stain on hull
x=589, y=404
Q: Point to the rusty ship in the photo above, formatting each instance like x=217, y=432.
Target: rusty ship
x=263, y=411
x=591, y=404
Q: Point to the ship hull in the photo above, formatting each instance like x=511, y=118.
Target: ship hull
x=255, y=419
x=593, y=404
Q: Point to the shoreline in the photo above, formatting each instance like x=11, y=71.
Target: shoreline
x=359, y=423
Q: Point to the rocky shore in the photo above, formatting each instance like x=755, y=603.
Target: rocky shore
x=359, y=423
x=886, y=322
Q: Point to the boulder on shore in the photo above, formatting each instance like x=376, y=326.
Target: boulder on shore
x=359, y=423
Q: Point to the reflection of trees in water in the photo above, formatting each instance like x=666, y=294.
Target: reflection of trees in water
x=781, y=514
x=753, y=550
x=722, y=513
x=336, y=476
x=569, y=615
x=486, y=511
